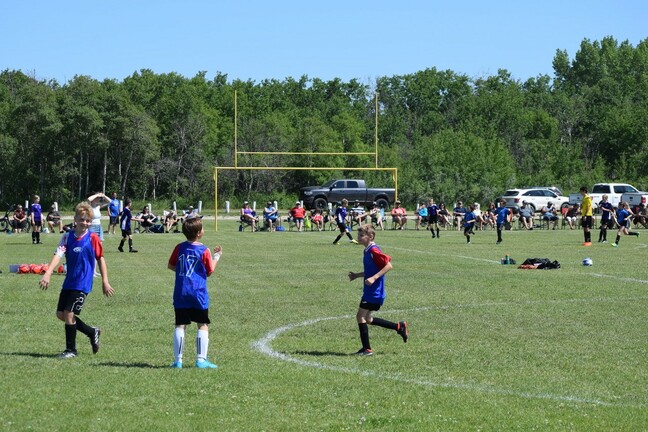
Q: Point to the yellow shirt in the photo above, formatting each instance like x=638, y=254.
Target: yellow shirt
x=586, y=209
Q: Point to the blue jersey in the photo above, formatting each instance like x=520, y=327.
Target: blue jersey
x=374, y=260
x=113, y=207
x=81, y=254
x=340, y=215
x=623, y=218
x=502, y=215
x=37, y=211
x=432, y=210
x=125, y=223
x=606, y=215
x=193, y=264
x=423, y=212
x=469, y=219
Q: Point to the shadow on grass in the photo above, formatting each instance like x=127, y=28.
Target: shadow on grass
x=29, y=354
x=321, y=353
x=137, y=365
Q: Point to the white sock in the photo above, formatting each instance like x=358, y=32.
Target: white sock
x=178, y=343
x=202, y=343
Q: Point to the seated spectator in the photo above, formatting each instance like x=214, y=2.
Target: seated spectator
x=53, y=219
x=572, y=215
x=421, y=216
x=190, y=213
x=19, y=222
x=357, y=214
x=550, y=214
x=458, y=213
x=526, y=215
x=270, y=215
x=170, y=221
x=399, y=215
x=641, y=215
x=317, y=219
x=298, y=213
x=479, y=221
x=148, y=219
x=248, y=216
x=376, y=216
x=444, y=215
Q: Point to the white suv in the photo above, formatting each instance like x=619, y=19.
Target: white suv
x=536, y=197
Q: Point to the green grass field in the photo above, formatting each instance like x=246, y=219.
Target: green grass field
x=491, y=347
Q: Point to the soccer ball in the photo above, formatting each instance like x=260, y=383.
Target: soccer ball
x=588, y=262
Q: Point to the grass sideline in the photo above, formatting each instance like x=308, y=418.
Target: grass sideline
x=491, y=347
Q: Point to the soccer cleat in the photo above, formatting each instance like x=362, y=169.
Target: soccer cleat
x=176, y=365
x=94, y=340
x=120, y=249
x=637, y=233
x=402, y=330
x=354, y=241
x=67, y=354
x=615, y=245
x=205, y=364
x=364, y=352
x=132, y=250
x=587, y=244
x=498, y=242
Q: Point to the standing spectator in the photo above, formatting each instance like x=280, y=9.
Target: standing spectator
x=113, y=213
x=19, y=219
x=36, y=215
x=190, y=294
x=587, y=212
x=399, y=215
x=298, y=213
x=458, y=213
x=433, y=217
x=97, y=201
x=340, y=219
x=376, y=265
x=607, y=218
x=526, y=215
x=504, y=216
x=54, y=219
x=624, y=216
x=82, y=250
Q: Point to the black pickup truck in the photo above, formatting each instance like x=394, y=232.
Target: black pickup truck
x=353, y=190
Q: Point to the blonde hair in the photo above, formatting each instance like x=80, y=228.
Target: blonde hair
x=83, y=209
x=367, y=230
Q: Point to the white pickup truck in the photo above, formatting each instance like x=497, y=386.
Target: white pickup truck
x=635, y=198
x=614, y=191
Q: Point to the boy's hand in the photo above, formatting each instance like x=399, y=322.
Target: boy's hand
x=218, y=249
x=369, y=281
x=108, y=290
x=44, y=282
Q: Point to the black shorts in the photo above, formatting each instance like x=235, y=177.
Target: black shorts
x=342, y=227
x=369, y=306
x=608, y=224
x=38, y=222
x=126, y=233
x=71, y=300
x=586, y=222
x=468, y=229
x=189, y=315
x=433, y=219
x=114, y=220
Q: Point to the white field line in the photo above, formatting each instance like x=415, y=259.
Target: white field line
x=263, y=346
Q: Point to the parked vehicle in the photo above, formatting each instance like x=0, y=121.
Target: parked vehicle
x=353, y=190
x=614, y=191
x=536, y=197
x=635, y=198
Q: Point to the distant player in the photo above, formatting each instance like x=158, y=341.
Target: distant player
x=36, y=215
x=607, y=218
x=433, y=217
x=504, y=216
x=586, y=212
x=469, y=222
x=125, y=225
x=81, y=249
x=376, y=265
x=340, y=219
x=624, y=216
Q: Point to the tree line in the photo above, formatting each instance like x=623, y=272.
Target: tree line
x=158, y=136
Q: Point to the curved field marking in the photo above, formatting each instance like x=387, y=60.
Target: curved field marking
x=263, y=346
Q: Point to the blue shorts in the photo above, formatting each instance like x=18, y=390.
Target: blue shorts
x=97, y=229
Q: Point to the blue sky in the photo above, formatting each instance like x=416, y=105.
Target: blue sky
x=260, y=40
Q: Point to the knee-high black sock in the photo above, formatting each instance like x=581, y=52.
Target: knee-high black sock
x=349, y=235
x=601, y=235
x=121, y=243
x=364, y=335
x=130, y=244
x=618, y=239
x=337, y=239
x=38, y=237
x=70, y=337
x=437, y=231
x=634, y=233
x=384, y=323
x=33, y=236
x=499, y=235
x=84, y=328
x=467, y=239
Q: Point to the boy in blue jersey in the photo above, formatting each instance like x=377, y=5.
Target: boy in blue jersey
x=36, y=215
x=469, y=222
x=125, y=225
x=82, y=250
x=504, y=216
x=607, y=218
x=376, y=265
x=433, y=217
x=192, y=263
x=624, y=216
x=340, y=219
